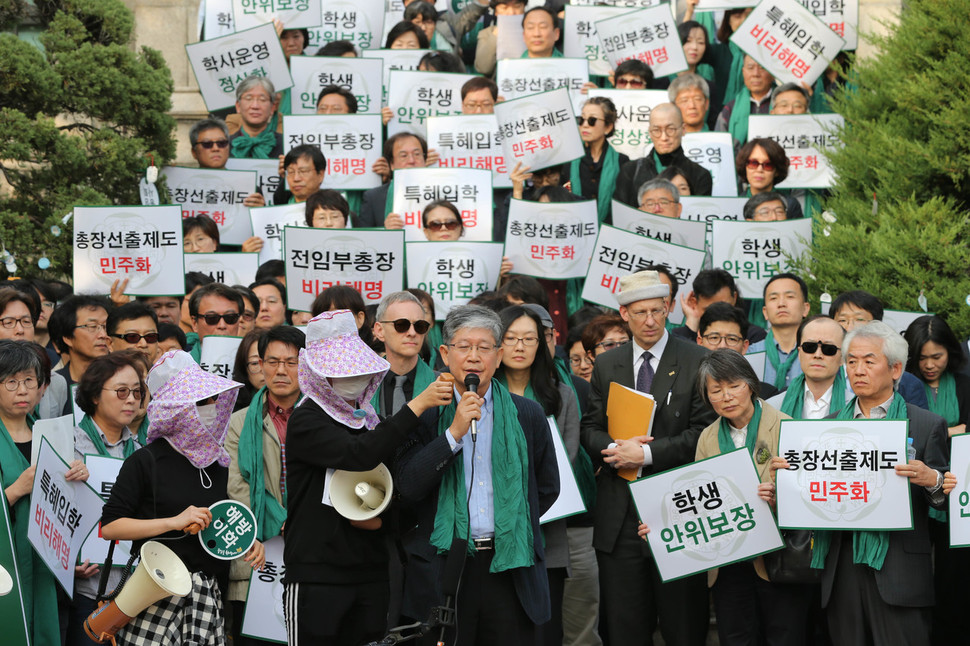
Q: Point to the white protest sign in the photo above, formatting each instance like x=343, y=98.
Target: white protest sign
x=62, y=514
x=631, y=135
x=223, y=63
x=59, y=433
x=358, y=21
x=708, y=209
x=539, y=131
x=293, y=14
x=674, y=230
x=351, y=143
x=570, y=499
x=396, y=59
x=217, y=20
x=705, y=515
x=103, y=471
x=268, y=177
x=715, y=152
x=509, y=39
x=393, y=14
x=265, y=598
x=959, y=498
x=370, y=261
x=362, y=77
x=140, y=243
x=627, y=4
x=268, y=223
x=753, y=252
x=788, y=40
x=414, y=96
x=519, y=77
x=900, y=320
x=841, y=475
x=470, y=190
x=216, y=193
x=620, y=253
x=724, y=5
x=757, y=362
x=218, y=354
x=806, y=138
x=551, y=240
x=579, y=35
x=469, y=141
x=227, y=268
x=648, y=35
x=842, y=17
x=453, y=272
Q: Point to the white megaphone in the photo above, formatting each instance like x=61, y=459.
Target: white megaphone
x=361, y=495
x=160, y=574
x=6, y=582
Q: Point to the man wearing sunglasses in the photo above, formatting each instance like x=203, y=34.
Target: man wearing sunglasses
x=821, y=388
x=401, y=326
x=209, y=142
x=134, y=326
x=215, y=309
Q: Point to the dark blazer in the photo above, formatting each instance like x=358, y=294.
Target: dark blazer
x=373, y=208
x=906, y=577
x=417, y=474
x=677, y=424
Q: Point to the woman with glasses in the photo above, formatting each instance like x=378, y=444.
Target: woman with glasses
x=110, y=393
x=594, y=175
x=200, y=234
x=246, y=369
x=761, y=165
x=441, y=221
x=247, y=320
x=604, y=333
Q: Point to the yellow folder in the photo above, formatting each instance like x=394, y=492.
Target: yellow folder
x=629, y=413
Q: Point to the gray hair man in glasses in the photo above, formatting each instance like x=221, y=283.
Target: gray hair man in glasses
x=401, y=326
x=815, y=393
x=660, y=197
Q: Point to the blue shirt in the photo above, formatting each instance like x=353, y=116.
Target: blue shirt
x=481, y=510
x=770, y=371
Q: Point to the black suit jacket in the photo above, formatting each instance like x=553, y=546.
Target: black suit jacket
x=417, y=475
x=678, y=423
x=906, y=577
x=373, y=208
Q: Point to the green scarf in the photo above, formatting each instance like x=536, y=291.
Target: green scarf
x=270, y=513
x=738, y=123
x=510, y=482
x=781, y=369
x=286, y=102
x=868, y=547
x=736, y=76
x=37, y=584
x=258, y=147
x=87, y=425
x=422, y=379
x=756, y=315
x=574, y=293
x=944, y=403
x=604, y=194
x=795, y=395
x=354, y=198
x=195, y=346
x=726, y=444
x=389, y=200
x=656, y=161
x=434, y=342
x=143, y=432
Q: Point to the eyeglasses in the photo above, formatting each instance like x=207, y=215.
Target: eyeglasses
x=124, y=391
x=93, y=328
x=274, y=363
x=528, y=341
x=592, y=121
x=797, y=105
x=218, y=143
x=670, y=131
x=609, y=345
x=778, y=211
x=828, y=349
x=253, y=366
x=730, y=340
x=300, y=172
x=733, y=392
x=657, y=314
x=472, y=106
x=47, y=305
x=401, y=326
x=576, y=362
x=231, y=318
x=437, y=225
x=753, y=164
x=249, y=316
x=134, y=337
x=465, y=348
x=11, y=321
x=30, y=383
x=623, y=82
x=652, y=205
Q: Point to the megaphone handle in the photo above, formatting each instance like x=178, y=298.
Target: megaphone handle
x=193, y=529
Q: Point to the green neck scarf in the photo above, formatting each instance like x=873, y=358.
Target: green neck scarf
x=656, y=161
x=738, y=123
x=88, y=426
x=143, y=432
x=434, y=342
x=868, y=547
x=194, y=344
x=270, y=513
x=510, y=482
x=724, y=441
x=795, y=395
x=422, y=379
x=286, y=102
x=781, y=369
x=37, y=584
x=389, y=200
x=258, y=147
x=736, y=76
x=944, y=403
x=604, y=194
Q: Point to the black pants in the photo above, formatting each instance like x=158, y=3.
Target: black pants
x=335, y=615
x=751, y=611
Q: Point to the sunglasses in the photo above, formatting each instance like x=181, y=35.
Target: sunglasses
x=450, y=225
x=592, y=121
x=231, y=318
x=829, y=350
x=403, y=325
x=134, y=337
x=221, y=143
x=754, y=165
x=123, y=392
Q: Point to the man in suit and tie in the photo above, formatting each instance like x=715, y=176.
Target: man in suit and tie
x=632, y=594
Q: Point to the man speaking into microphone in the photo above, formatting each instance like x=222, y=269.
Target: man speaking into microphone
x=491, y=489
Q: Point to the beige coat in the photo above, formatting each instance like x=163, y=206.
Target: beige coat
x=238, y=488
x=707, y=447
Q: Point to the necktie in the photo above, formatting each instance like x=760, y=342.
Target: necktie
x=398, y=400
x=645, y=375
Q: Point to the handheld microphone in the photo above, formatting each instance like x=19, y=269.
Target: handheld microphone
x=471, y=383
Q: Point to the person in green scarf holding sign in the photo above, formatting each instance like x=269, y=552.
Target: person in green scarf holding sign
x=484, y=475
x=257, y=138
x=594, y=174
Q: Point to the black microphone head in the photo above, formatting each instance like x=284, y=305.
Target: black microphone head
x=471, y=381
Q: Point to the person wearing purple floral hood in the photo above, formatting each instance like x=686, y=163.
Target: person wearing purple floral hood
x=167, y=486
x=336, y=583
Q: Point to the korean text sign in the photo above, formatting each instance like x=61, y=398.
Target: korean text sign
x=753, y=252
x=361, y=22
x=362, y=77
x=470, y=190
x=292, y=13
x=453, y=272
x=632, y=130
x=216, y=193
x=351, y=143
x=469, y=141
x=648, y=35
x=685, y=233
x=551, y=240
x=959, y=498
x=414, y=96
x=806, y=139
x=539, y=130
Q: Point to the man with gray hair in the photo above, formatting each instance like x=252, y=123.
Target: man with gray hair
x=484, y=473
x=256, y=103
x=209, y=141
x=660, y=197
x=401, y=327
x=691, y=93
x=666, y=132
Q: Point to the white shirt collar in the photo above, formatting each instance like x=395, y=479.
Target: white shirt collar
x=657, y=350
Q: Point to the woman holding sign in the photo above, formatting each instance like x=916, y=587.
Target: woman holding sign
x=763, y=164
x=594, y=175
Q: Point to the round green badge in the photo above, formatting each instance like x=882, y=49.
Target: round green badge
x=232, y=530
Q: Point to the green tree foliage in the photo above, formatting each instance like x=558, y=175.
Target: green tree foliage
x=78, y=121
x=907, y=141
